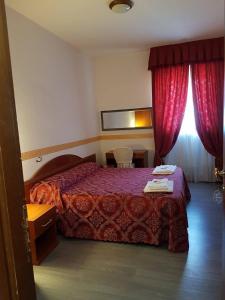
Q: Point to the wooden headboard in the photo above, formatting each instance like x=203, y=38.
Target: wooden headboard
x=54, y=166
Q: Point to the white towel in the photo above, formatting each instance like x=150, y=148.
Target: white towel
x=159, y=184
x=169, y=189
x=164, y=170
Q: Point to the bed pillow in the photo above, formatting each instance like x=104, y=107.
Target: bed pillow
x=46, y=193
x=69, y=177
x=49, y=190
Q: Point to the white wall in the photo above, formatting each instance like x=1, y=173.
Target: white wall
x=54, y=94
x=122, y=80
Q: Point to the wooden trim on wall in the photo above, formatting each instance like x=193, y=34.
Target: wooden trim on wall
x=104, y=137
x=51, y=149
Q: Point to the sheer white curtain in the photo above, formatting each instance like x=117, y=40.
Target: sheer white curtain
x=188, y=152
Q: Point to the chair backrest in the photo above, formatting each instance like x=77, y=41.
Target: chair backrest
x=123, y=157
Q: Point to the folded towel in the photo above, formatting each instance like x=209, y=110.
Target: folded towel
x=159, y=184
x=169, y=189
x=157, y=188
x=159, y=181
x=166, y=166
x=164, y=169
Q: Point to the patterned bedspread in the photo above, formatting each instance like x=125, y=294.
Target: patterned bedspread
x=110, y=205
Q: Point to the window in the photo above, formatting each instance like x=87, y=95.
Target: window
x=188, y=125
x=188, y=152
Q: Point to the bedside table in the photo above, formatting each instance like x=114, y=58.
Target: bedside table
x=42, y=230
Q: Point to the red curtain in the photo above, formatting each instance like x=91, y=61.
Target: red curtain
x=169, y=92
x=187, y=53
x=208, y=89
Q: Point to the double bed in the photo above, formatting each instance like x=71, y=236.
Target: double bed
x=109, y=204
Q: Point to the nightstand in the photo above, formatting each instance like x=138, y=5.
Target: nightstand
x=42, y=230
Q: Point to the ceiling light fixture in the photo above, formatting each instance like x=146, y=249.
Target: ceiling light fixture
x=121, y=6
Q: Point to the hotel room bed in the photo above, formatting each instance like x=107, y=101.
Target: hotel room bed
x=109, y=204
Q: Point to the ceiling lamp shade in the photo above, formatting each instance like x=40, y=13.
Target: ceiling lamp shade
x=121, y=6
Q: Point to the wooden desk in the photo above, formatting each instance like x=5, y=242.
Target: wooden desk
x=140, y=158
x=42, y=230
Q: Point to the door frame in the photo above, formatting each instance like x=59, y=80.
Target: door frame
x=223, y=223
x=16, y=272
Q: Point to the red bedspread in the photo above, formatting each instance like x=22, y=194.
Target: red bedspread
x=109, y=205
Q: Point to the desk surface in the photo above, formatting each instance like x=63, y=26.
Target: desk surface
x=140, y=158
x=134, y=151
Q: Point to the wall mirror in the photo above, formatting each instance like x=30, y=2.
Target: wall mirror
x=133, y=118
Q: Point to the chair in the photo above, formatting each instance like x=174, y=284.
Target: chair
x=123, y=157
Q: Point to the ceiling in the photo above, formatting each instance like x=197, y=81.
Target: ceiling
x=91, y=26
